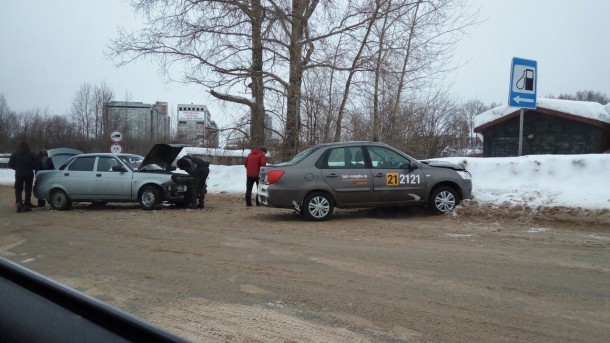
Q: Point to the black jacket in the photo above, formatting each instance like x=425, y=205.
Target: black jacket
x=24, y=162
x=194, y=166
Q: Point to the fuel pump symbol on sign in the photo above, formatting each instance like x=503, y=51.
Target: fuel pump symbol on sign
x=526, y=82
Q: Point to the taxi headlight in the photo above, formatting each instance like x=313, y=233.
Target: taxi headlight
x=464, y=174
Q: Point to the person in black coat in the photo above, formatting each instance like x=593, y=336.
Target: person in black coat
x=44, y=163
x=25, y=163
x=199, y=170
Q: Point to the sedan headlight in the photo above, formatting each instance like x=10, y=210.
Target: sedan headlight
x=464, y=174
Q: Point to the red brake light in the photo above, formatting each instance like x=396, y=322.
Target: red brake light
x=273, y=176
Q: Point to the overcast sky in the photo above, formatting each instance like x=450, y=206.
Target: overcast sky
x=50, y=48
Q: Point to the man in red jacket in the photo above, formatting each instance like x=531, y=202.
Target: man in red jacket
x=255, y=160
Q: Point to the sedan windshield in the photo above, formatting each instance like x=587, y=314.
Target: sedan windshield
x=133, y=161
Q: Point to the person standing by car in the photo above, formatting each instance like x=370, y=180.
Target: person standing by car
x=24, y=162
x=44, y=163
x=199, y=170
x=253, y=163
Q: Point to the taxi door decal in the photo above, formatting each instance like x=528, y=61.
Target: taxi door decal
x=391, y=179
x=395, y=179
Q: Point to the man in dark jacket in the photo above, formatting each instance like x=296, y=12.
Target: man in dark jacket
x=199, y=170
x=253, y=163
x=44, y=163
x=25, y=163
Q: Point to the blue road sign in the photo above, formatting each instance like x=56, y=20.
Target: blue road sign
x=523, y=81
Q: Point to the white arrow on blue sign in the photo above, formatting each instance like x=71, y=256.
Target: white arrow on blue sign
x=523, y=81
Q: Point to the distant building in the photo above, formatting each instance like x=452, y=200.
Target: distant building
x=554, y=127
x=196, y=127
x=142, y=125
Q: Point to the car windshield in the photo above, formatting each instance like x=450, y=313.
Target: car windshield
x=133, y=161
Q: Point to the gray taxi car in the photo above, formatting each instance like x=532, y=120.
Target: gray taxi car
x=100, y=178
x=361, y=174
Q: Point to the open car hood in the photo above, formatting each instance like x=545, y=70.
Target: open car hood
x=60, y=155
x=162, y=155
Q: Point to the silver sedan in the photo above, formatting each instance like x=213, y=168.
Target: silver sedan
x=104, y=177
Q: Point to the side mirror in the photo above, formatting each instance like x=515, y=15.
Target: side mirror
x=118, y=169
x=413, y=166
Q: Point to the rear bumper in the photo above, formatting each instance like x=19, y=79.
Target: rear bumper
x=274, y=196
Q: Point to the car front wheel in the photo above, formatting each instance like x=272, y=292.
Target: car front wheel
x=59, y=200
x=444, y=200
x=149, y=198
x=318, y=206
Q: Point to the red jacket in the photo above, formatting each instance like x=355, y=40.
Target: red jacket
x=255, y=160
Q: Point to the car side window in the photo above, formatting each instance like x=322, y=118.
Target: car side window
x=82, y=164
x=384, y=158
x=345, y=158
x=66, y=163
x=105, y=163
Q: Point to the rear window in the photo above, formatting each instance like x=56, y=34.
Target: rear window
x=82, y=164
x=302, y=155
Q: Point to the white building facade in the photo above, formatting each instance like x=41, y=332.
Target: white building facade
x=196, y=127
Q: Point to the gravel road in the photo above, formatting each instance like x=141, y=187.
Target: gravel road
x=228, y=273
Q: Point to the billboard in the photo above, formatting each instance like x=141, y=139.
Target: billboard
x=191, y=116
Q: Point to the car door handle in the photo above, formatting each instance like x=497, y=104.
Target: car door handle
x=66, y=174
x=331, y=175
x=98, y=175
x=379, y=175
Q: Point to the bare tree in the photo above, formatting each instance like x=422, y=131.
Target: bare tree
x=8, y=125
x=586, y=95
x=294, y=23
x=217, y=42
x=390, y=61
x=83, y=111
x=101, y=95
x=419, y=45
x=259, y=53
x=357, y=60
x=304, y=26
x=60, y=132
x=464, y=121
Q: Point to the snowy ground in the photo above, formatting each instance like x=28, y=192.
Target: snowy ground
x=535, y=181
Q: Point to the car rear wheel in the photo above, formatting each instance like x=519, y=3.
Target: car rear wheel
x=59, y=200
x=318, y=206
x=149, y=198
x=444, y=200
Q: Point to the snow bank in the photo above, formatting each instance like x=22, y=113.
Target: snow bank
x=536, y=180
x=541, y=180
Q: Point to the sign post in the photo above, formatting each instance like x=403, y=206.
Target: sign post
x=116, y=148
x=116, y=136
x=523, y=86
